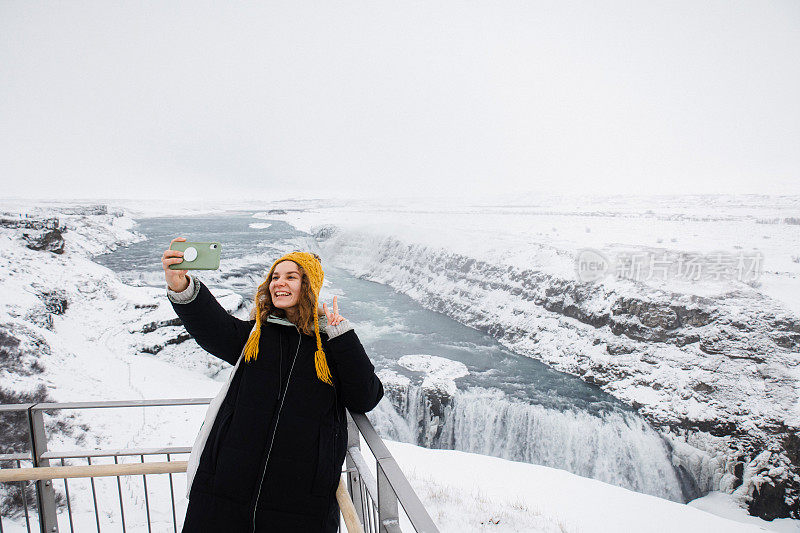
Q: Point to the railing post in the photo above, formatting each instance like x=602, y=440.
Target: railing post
x=388, y=515
x=45, y=495
x=353, y=482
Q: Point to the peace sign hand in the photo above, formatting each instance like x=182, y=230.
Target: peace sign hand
x=333, y=316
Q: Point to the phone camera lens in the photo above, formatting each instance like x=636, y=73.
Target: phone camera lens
x=213, y=246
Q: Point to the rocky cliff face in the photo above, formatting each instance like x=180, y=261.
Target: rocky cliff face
x=50, y=241
x=38, y=233
x=717, y=376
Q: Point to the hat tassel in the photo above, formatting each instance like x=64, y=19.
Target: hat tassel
x=251, y=348
x=320, y=361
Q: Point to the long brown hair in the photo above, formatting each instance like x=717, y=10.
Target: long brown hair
x=305, y=304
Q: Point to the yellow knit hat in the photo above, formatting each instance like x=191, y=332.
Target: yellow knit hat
x=313, y=270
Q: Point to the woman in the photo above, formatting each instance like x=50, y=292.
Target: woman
x=269, y=455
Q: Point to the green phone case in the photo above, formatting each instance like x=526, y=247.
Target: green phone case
x=206, y=258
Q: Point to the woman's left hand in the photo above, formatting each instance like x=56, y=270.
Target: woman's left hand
x=332, y=315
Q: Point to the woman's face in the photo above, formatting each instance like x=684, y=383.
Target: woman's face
x=284, y=287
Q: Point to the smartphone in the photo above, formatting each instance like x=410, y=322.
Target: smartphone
x=197, y=255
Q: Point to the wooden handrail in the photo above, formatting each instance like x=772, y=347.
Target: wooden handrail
x=69, y=472
x=348, y=509
x=10, y=475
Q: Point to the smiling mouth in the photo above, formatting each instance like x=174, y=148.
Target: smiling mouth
x=282, y=294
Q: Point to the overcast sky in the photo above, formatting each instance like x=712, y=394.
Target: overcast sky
x=232, y=99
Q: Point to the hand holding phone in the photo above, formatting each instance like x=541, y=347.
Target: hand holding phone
x=196, y=255
x=176, y=264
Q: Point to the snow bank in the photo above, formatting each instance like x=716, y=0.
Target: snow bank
x=440, y=372
x=467, y=493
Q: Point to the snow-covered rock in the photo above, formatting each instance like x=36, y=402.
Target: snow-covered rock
x=440, y=373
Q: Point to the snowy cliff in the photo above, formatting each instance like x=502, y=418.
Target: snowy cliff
x=712, y=365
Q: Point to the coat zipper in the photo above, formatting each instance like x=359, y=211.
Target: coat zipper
x=275, y=430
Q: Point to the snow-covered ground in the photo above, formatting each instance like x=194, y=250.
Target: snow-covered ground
x=469, y=492
x=100, y=348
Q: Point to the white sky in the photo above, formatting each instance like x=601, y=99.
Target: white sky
x=232, y=99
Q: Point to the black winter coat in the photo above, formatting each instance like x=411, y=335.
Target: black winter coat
x=298, y=492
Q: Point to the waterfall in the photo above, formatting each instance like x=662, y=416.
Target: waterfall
x=617, y=447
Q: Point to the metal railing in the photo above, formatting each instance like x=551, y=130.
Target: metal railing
x=376, y=500
x=375, y=496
